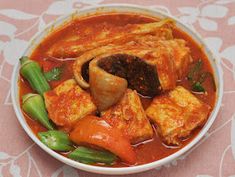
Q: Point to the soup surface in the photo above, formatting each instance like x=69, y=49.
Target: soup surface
x=88, y=30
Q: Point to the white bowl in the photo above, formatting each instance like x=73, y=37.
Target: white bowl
x=117, y=8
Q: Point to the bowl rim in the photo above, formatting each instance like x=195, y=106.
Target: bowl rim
x=132, y=169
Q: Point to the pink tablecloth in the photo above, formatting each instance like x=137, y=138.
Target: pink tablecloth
x=214, y=19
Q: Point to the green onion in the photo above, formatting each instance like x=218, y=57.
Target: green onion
x=31, y=71
x=197, y=67
x=56, y=140
x=91, y=156
x=53, y=74
x=34, y=106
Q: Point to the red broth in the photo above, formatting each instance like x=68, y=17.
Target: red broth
x=148, y=151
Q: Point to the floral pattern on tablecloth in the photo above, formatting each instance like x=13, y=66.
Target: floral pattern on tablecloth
x=213, y=156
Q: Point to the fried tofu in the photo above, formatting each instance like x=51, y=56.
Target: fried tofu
x=68, y=103
x=128, y=115
x=165, y=67
x=181, y=55
x=177, y=114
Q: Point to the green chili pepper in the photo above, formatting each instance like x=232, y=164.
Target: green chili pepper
x=33, y=105
x=31, y=71
x=56, y=140
x=53, y=74
x=91, y=156
x=194, y=70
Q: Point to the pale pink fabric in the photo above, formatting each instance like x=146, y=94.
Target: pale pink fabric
x=213, y=19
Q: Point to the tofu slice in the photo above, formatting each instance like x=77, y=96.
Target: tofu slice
x=162, y=58
x=177, y=114
x=68, y=103
x=172, y=58
x=181, y=55
x=128, y=115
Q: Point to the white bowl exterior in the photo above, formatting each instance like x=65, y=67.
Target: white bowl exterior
x=117, y=8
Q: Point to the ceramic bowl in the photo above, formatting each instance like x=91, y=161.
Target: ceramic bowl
x=117, y=8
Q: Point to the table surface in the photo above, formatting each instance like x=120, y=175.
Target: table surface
x=213, y=19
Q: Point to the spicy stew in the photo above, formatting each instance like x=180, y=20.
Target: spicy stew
x=55, y=52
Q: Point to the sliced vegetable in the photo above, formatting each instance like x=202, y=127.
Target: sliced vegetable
x=34, y=106
x=196, y=68
x=53, y=74
x=56, y=140
x=91, y=156
x=197, y=87
x=31, y=71
x=95, y=131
